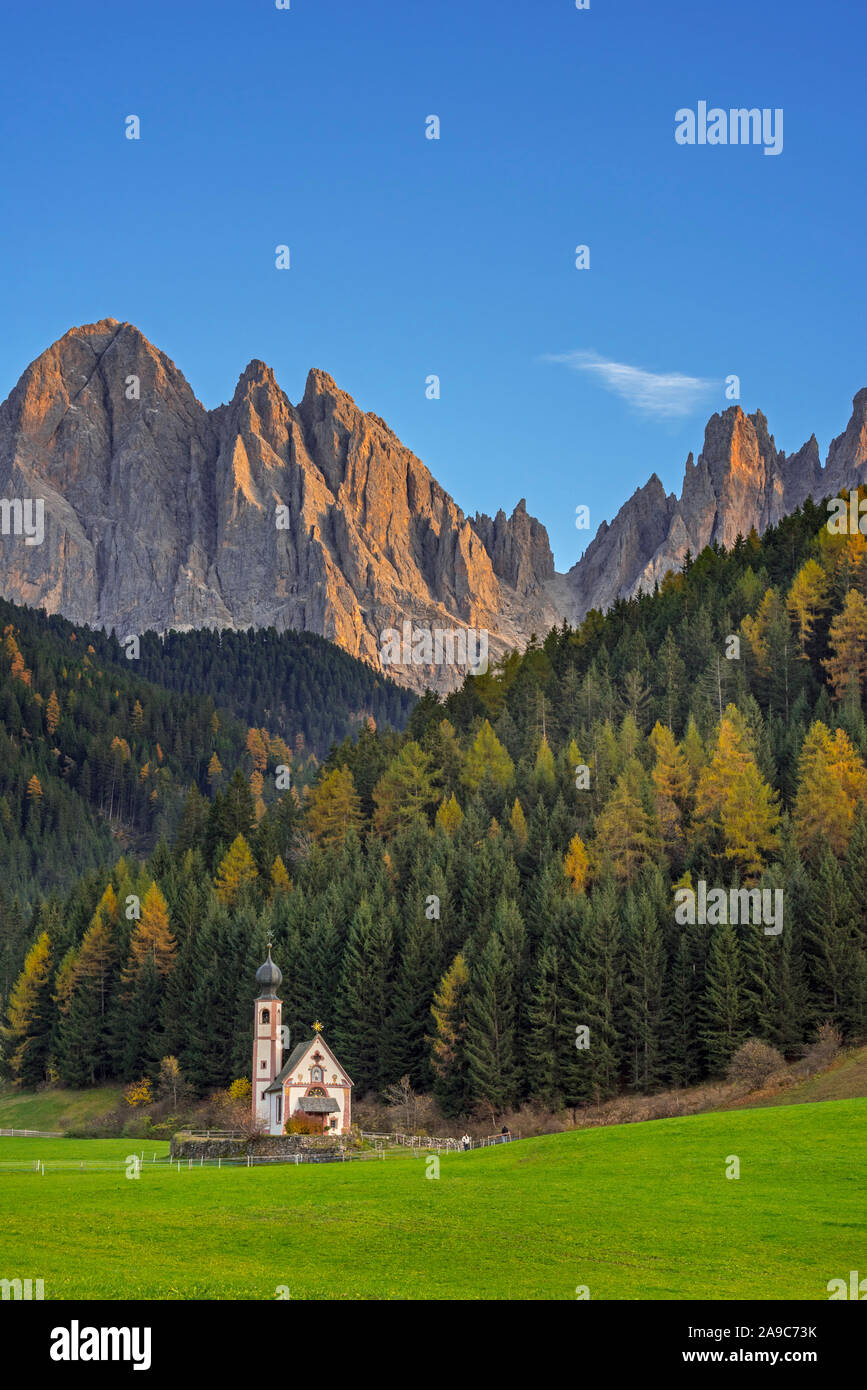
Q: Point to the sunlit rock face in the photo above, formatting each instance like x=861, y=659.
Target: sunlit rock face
x=160, y=514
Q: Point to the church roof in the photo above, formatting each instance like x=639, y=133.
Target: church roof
x=269, y=977
x=295, y=1057
x=317, y=1105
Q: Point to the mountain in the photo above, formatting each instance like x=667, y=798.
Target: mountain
x=741, y=482
x=160, y=514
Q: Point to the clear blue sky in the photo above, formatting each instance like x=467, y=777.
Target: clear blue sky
x=455, y=257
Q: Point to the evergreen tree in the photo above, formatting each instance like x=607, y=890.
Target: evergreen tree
x=490, y=1035
x=724, y=1006
x=362, y=1005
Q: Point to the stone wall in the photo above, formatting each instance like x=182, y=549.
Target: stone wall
x=185, y=1145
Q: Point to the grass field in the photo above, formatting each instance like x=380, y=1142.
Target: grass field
x=633, y=1211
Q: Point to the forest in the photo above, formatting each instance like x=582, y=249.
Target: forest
x=465, y=899
x=98, y=752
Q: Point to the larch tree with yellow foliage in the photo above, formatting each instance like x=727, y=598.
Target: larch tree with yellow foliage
x=576, y=864
x=52, y=712
x=448, y=1059
x=449, y=815
x=28, y=1034
x=734, y=800
x=848, y=643
x=832, y=785
x=487, y=758
x=151, y=938
x=334, y=808
x=236, y=871
x=280, y=880
x=518, y=823
x=672, y=784
x=626, y=835
x=807, y=600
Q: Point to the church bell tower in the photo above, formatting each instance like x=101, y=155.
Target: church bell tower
x=267, y=1037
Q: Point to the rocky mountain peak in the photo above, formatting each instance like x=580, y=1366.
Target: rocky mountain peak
x=161, y=514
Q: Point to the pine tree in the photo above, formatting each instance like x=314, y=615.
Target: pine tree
x=733, y=800
x=724, y=1005
x=490, y=1036
x=684, y=1063
x=646, y=1011
x=140, y=1033
x=406, y=1051
x=594, y=989
x=835, y=962
x=547, y=1029
x=363, y=997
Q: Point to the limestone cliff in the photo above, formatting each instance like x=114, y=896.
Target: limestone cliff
x=159, y=513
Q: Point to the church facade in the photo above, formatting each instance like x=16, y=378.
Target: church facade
x=311, y=1082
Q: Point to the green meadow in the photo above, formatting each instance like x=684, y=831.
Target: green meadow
x=640, y=1211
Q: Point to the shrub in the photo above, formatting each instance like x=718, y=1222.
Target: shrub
x=753, y=1063
x=821, y=1053
x=303, y=1124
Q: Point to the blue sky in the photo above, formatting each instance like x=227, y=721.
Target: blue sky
x=410, y=256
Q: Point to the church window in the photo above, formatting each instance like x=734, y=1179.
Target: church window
x=317, y=1091
x=263, y=1065
x=279, y=1109
x=266, y=1015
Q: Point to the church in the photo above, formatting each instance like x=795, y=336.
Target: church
x=310, y=1082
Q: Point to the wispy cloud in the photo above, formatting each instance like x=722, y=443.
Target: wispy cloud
x=666, y=395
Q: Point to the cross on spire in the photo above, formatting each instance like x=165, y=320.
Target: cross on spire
x=317, y=1027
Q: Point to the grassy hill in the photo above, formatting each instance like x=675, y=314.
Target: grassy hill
x=57, y=1109
x=631, y=1212
x=844, y=1078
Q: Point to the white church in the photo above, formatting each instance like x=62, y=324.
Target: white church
x=310, y=1082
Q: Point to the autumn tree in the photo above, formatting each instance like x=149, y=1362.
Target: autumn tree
x=807, y=599
x=733, y=798
x=847, y=641
x=487, y=758
x=405, y=791
x=334, y=808
x=236, y=871
x=448, y=1054
x=28, y=1034
x=832, y=785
